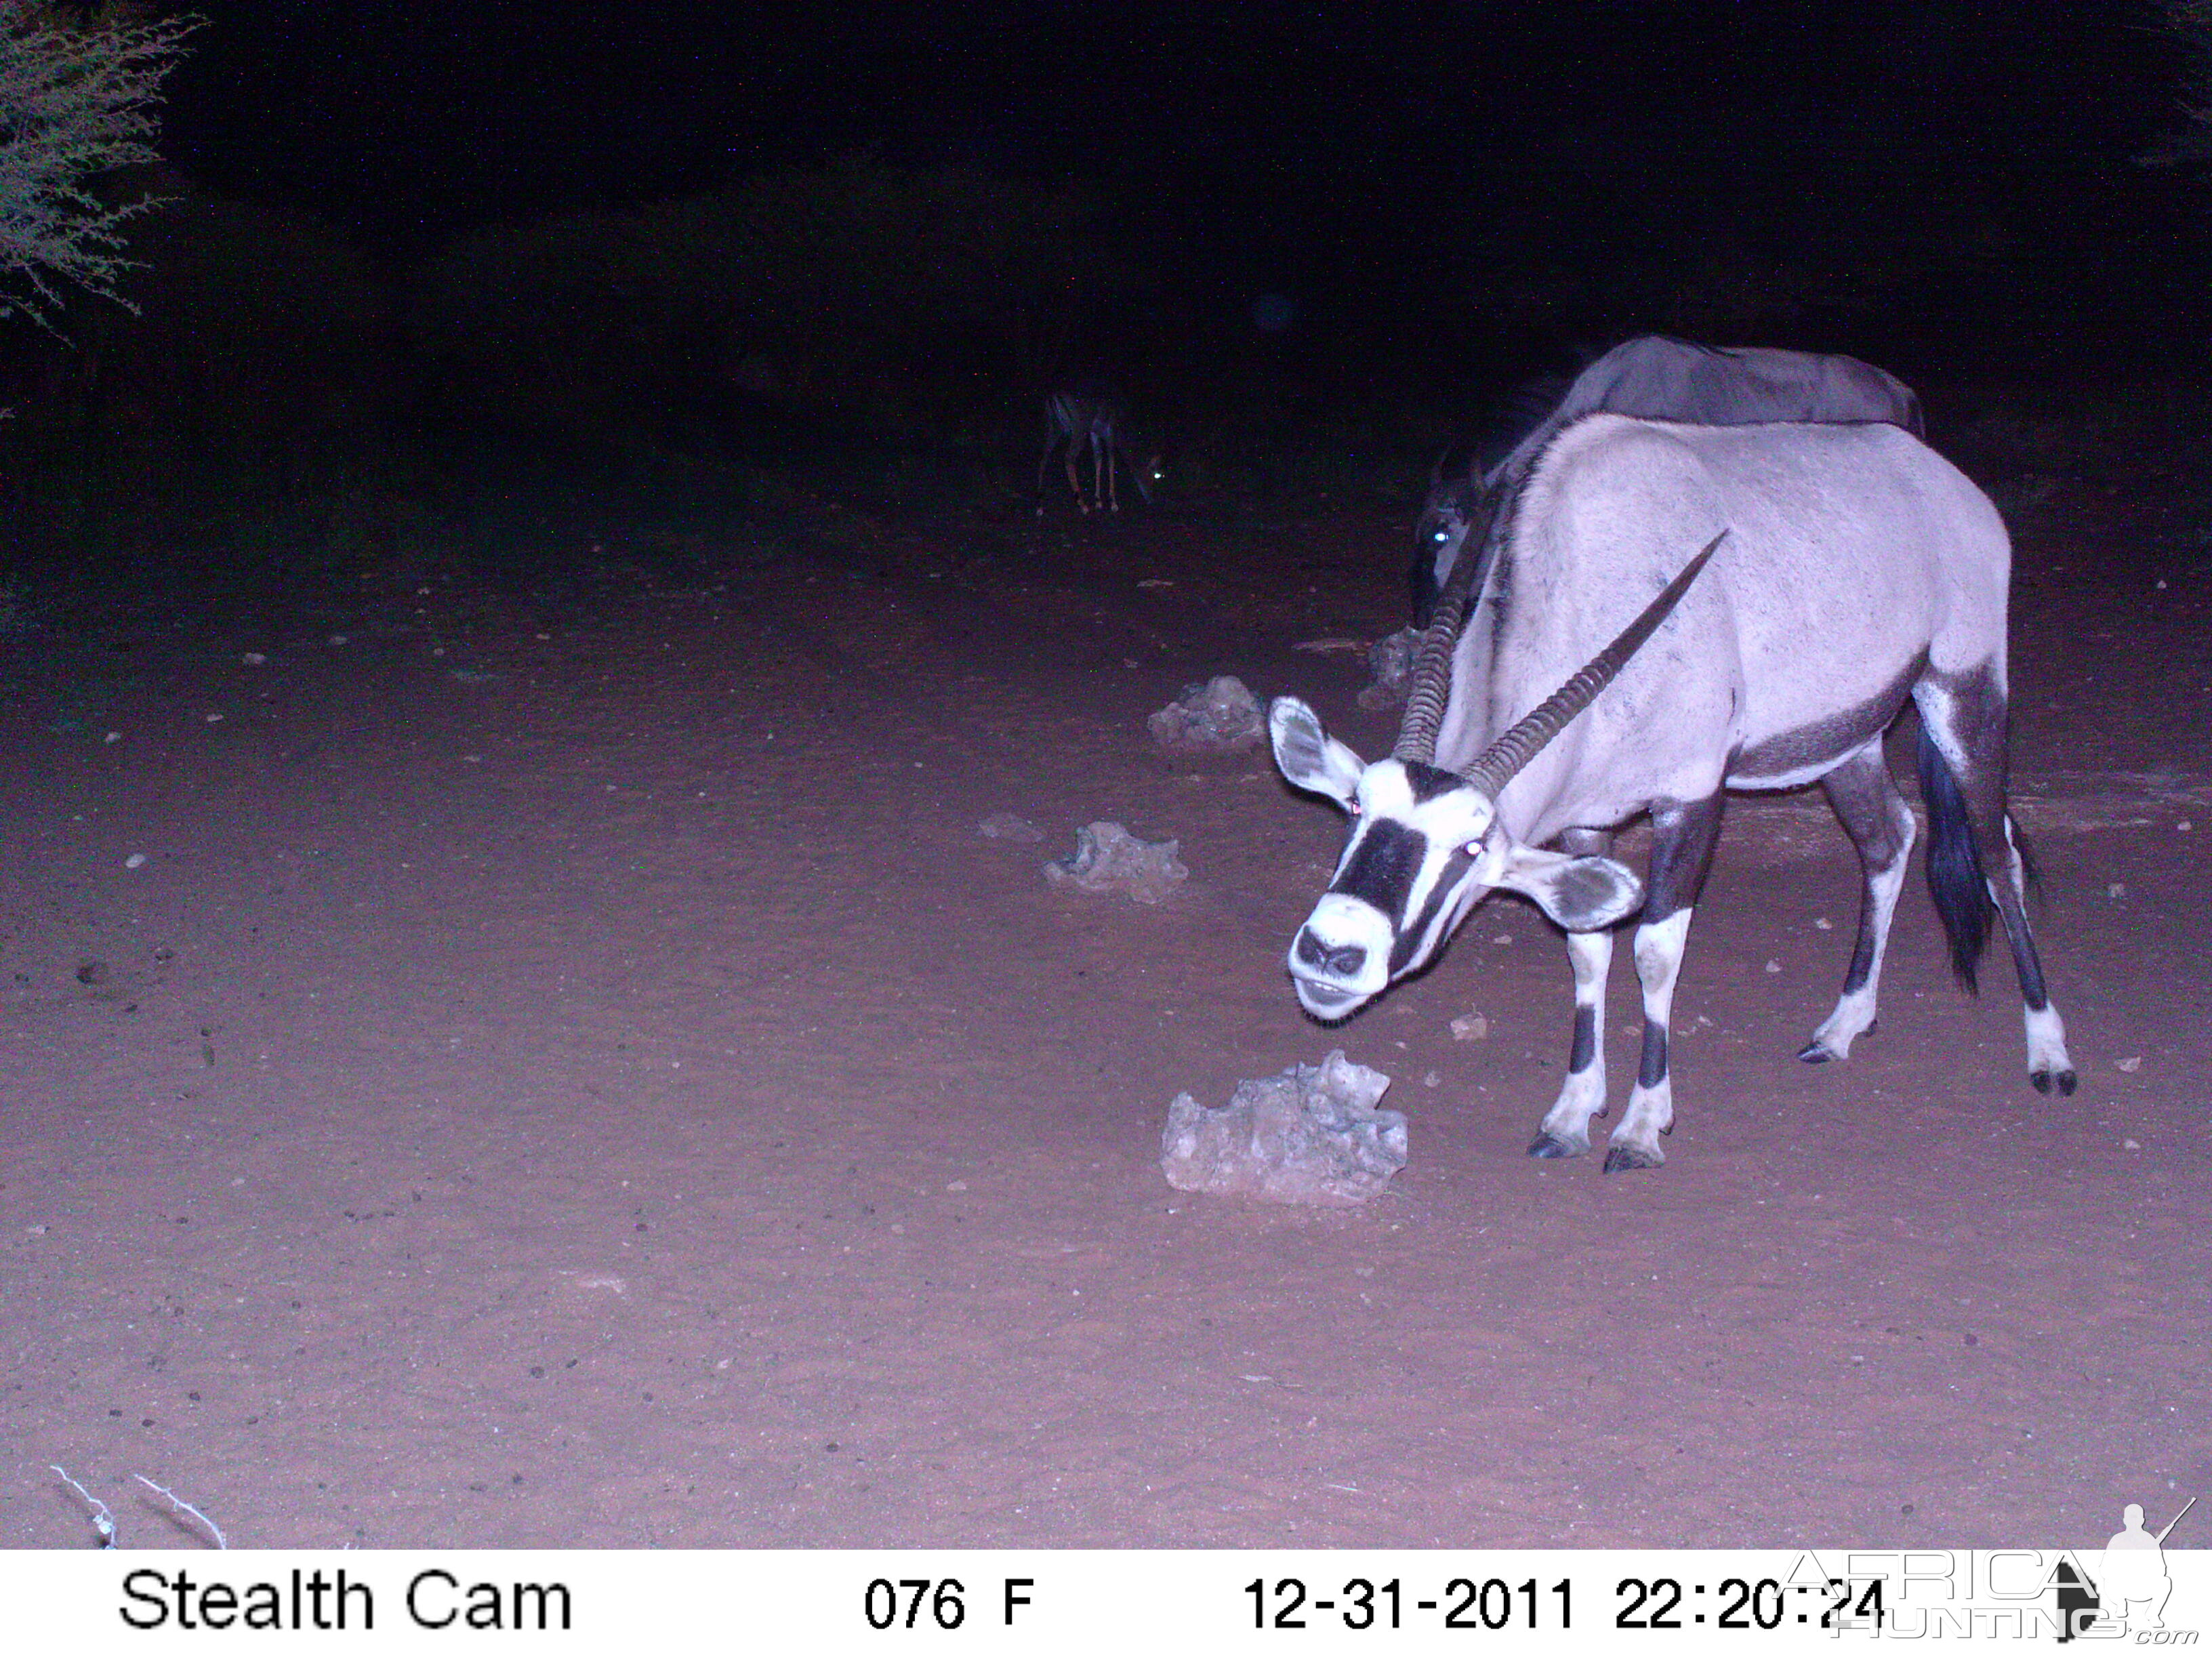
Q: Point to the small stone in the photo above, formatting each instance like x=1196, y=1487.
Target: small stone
x=253, y=659
x=1774, y=967
x=1470, y=1028
x=134, y=862
x=117, y=737
x=2116, y=890
x=2131, y=1146
x=2184, y=826
x=1822, y=923
x=1107, y=859
x=1432, y=1079
x=2134, y=1063
x=1502, y=938
x=1004, y=826
x=1390, y=660
x=1219, y=717
x=955, y=1185
x=338, y=639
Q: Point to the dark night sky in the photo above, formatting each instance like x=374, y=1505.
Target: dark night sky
x=407, y=121
x=1392, y=169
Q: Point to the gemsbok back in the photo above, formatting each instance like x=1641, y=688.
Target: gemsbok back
x=1657, y=379
x=1844, y=569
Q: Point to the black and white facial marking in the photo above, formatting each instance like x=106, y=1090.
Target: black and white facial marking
x=1406, y=876
x=1426, y=845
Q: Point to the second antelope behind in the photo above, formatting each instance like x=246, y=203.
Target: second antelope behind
x=1088, y=414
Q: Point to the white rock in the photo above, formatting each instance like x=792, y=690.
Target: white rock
x=1311, y=1135
x=2132, y=1064
x=1219, y=717
x=1107, y=859
x=1390, y=660
x=1004, y=826
x=1470, y=1028
x=134, y=862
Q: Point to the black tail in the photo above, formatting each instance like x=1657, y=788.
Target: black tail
x=1954, y=864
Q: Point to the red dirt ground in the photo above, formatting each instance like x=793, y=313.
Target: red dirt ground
x=568, y=1071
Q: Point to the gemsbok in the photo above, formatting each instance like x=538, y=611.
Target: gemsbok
x=1658, y=378
x=1845, y=570
x=1090, y=415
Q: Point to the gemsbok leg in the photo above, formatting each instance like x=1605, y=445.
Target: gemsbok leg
x=1565, y=1132
x=1875, y=816
x=1972, y=850
x=1683, y=834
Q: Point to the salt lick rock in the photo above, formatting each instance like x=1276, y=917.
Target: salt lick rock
x=1220, y=717
x=1109, y=860
x=1311, y=1135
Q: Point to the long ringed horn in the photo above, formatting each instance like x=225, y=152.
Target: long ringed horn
x=1541, y=725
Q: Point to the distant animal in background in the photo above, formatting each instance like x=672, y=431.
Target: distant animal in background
x=1655, y=379
x=1078, y=416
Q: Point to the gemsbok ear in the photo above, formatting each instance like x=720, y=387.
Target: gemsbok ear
x=1582, y=893
x=1309, y=756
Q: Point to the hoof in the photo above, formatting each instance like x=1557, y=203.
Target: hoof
x=1815, y=1054
x=1619, y=1156
x=2066, y=1080
x=1546, y=1144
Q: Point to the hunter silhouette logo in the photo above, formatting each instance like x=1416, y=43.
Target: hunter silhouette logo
x=2131, y=1586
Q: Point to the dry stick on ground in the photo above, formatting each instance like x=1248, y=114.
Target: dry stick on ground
x=103, y=1521
x=214, y=1531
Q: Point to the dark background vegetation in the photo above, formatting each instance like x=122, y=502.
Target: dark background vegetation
x=431, y=268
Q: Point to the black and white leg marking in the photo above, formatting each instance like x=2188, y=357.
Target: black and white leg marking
x=2047, y=1061
x=1968, y=719
x=1565, y=1132
x=1875, y=816
x=1681, y=852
